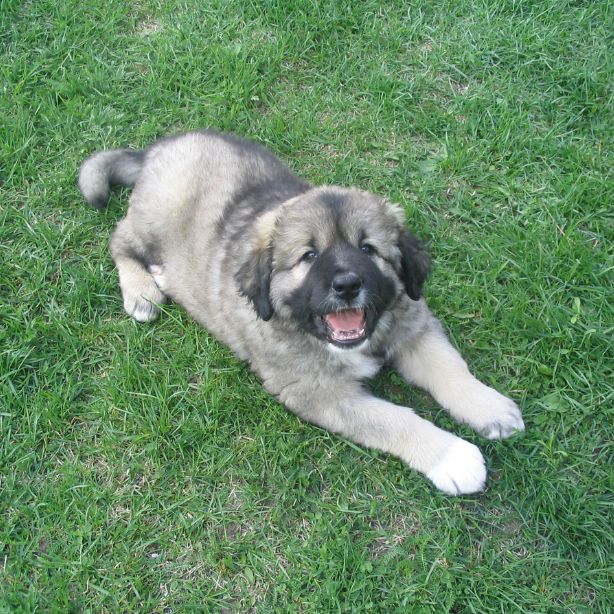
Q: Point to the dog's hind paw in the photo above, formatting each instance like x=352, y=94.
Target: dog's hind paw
x=461, y=471
x=143, y=307
x=142, y=310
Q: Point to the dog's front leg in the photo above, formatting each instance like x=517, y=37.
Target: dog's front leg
x=432, y=363
x=452, y=464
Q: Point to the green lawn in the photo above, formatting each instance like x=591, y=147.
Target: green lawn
x=143, y=468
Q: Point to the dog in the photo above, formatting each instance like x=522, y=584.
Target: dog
x=316, y=287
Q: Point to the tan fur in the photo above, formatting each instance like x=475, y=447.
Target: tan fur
x=220, y=226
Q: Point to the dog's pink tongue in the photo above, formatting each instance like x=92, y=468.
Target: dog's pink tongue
x=346, y=324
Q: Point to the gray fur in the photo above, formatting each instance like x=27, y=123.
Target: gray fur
x=108, y=168
x=262, y=260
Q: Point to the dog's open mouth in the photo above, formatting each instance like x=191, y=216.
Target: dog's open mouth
x=346, y=327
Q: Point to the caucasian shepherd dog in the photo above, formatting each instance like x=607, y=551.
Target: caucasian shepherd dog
x=316, y=287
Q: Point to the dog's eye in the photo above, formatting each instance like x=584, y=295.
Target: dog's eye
x=309, y=256
x=368, y=249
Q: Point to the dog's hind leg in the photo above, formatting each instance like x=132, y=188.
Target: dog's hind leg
x=140, y=293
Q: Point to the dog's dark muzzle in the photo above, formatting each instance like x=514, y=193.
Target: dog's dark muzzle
x=342, y=296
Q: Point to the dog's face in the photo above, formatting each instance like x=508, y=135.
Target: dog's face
x=333, y=261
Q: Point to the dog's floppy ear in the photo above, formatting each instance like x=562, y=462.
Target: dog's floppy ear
x=415, y=264
x=254, y=276
x=254, y=279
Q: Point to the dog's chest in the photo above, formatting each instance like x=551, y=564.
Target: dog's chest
x=359, y=364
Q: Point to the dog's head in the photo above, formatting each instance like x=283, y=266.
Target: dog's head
x=333, y=261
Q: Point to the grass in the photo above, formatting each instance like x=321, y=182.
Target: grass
x=142, y=468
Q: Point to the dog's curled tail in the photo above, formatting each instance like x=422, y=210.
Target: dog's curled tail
x=105, y=169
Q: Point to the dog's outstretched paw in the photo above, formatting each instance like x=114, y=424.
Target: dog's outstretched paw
x=461, y=471
x=507, y=423
x=488, y=412
x=499, y=416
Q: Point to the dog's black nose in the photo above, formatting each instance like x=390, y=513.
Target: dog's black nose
x=347, y=285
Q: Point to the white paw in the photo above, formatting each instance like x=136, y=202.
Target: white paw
x=143, y=306
x=141, y=309
x=505, y=425
x=499, y=416
x=461, y=471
